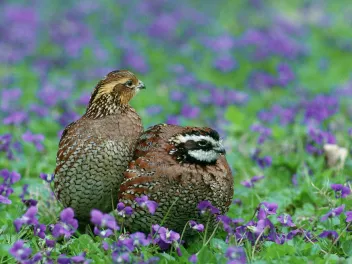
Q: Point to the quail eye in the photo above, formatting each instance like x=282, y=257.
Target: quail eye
x=128, y=83
x=202, y=143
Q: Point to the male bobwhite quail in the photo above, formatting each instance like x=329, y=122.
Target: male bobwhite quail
x=177, y=167
x=95, y=150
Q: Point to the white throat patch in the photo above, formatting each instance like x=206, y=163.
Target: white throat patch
x=202, y=155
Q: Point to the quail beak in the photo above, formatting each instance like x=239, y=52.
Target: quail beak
x=140, y=86
x=220, y=149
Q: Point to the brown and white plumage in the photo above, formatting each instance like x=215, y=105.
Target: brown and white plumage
x=177, y=167
x=94, y=151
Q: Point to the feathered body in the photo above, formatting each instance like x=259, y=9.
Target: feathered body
x=177, y=167
x=94, y=151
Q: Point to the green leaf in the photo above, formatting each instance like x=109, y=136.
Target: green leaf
x=277, y=251
x=347, y=247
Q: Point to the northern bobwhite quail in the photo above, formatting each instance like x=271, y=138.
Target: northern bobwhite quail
x=94, y=151
x=177, y=167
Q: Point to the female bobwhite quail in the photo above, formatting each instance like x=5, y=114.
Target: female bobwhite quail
x=177, y=167
x=95, y=150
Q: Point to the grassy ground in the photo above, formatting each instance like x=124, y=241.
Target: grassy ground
x=273, y=78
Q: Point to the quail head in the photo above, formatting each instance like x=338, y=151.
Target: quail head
x=94, y=151
x=177, y=167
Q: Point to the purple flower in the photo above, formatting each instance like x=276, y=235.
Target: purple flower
x=103, y=220
x=164, y=26
x=51, y=96
x=165, y=236
x=103, y=233
x=262, y=162
x=206, y=206
x=285, y=115
x=320, y=108
x=266, y=209
x=8, y=97
x=118, y=257
x=29, y=218
x=236, y=255
x=124, y=242
x=83, y=100
x=67, y=226
x=39, y=110
x=264, y=132
x=50, y=243
x=123, y=210
x=227, y=223
x=341, y=191
x=80, y=258
x=193, y=258
x=140, y=238
x=286, y=220
x=294, y=233
x=48, y=177
x=286, y=75
x=5, y=200
x=144, y=202
x=20, y=252
x=331, y=234
x=63, y=259
x=261, y=81
x=316, y=139
x=105, y=245
x=16, y=118
x=30, y=202
x=225, y=63
x=259, y=227
x=250, y=183
x=222, y=43
x=5, y=145
x=39, y=230
x=334, y=212
x=37, y=257
x=348, y=216
x=36, y=139
x=24, y=191
x=136, y=61
x=189, y=111
x=177, y=96
x=194, y=225
x=67, y=117
x=154, y=110
x=172, y=120
x=9, y=178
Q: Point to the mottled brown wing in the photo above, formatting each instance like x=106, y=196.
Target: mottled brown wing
x=70, y=143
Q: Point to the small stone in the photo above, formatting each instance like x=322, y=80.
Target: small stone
x=335, y=155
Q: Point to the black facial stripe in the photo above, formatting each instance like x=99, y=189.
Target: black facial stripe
x=181, y=152
x=214, y=135
x=194, y=145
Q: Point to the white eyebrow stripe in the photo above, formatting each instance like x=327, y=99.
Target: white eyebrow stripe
x=185, y=138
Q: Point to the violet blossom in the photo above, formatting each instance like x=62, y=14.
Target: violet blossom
x=340, y=190
x=67, y=226
x=144, y=202
x=334, y=212
x=29, y=218
x=19, y=251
